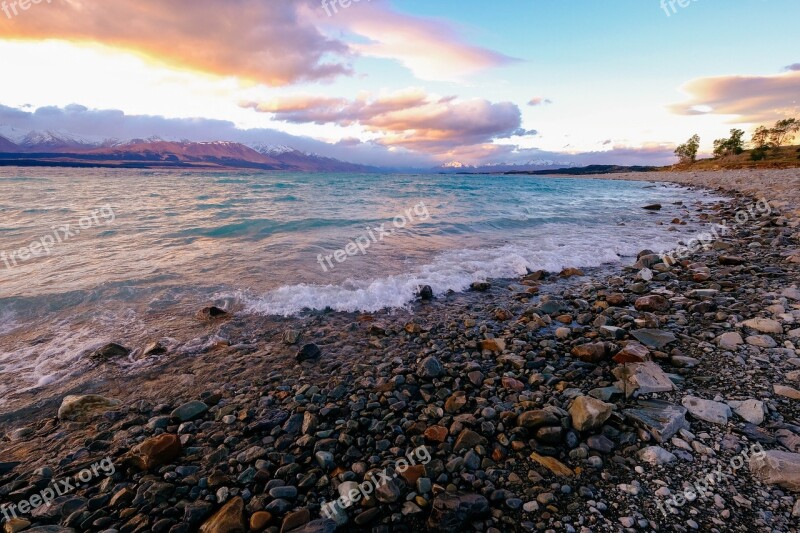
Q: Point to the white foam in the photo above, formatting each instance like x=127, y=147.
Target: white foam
x=456, y=270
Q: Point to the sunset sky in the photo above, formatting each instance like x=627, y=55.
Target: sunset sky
x=411, y=82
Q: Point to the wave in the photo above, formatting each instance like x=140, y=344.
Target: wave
x=450, y=271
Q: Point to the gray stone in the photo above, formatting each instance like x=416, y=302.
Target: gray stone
x=189, y=411
x=656, y=455
x=708, y=410
x=750, y=410
x=654, y=338
x=777, y=468
x=730, y=340
x=645, y=378
x=761, y=341
x=430, y=368
x=662, y=419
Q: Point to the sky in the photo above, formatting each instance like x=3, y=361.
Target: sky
x=404, y=82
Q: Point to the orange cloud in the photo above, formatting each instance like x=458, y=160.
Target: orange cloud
x=750, y=98
x=275, y=42
x=410, y=119
x=262, y=41
x=431, y=49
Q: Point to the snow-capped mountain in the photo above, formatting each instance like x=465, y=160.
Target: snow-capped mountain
x=54, y=148
x=533, y=165
x=46, y=141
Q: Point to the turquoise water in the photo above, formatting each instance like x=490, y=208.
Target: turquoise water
x=170, y=242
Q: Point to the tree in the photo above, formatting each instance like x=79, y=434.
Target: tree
x=687, y=152
x=733, y=145
x=761, y=143
x=784, y=131
x=761, y=137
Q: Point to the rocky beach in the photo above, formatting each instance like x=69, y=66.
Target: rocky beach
x=648, y=397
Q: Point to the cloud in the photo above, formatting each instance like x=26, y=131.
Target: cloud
x=410, y=118
x=273, y=42
x=431, y=48
x=538, y=100
x=749, y=98
x=100, y=124
x=795, y=66
x=261, y=41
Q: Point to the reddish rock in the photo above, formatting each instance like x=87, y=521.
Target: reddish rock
x=570, y=272
x=155, y=452
x=512, y=384
x=411, y=474
x=493, y=345
x=590, y=353
x=503, y=314
x=652, y=303
x=229, y=519
x=616, y=299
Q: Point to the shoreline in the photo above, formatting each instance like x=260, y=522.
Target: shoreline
x=482, y=379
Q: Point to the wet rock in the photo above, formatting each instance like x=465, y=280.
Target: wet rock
x=453, y=511
x=589, y=413
x=109, y=351
x=707, y=410
x=480, y=286
x=211, y=313
x=309, y=352
x=652, y=207
x=78, y=407
x=154, y=348
x=571, y=272
x=425, y=293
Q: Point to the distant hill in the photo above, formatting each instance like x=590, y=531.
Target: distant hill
x=60, y=149
x=590, y=169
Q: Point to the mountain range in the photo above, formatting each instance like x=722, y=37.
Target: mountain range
x=63, y=149
x=49, y=148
